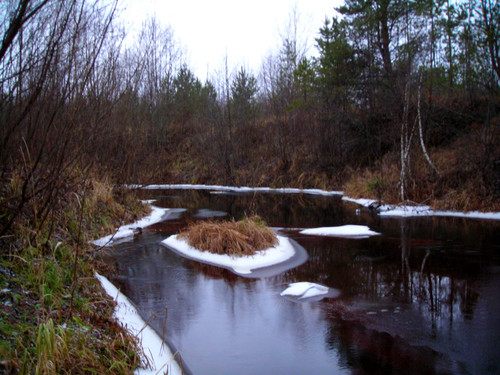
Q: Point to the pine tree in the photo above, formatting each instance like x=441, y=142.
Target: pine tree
x=243, y=91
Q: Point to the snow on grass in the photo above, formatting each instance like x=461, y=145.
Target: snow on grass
x=156, y=215
x=240, y=265
x=362, y=201
x=350, y=231
x=241, y=189
x=159, y=355
x=414, y=211
x=304, y=289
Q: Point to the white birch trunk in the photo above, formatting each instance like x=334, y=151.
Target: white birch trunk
x=422, y=144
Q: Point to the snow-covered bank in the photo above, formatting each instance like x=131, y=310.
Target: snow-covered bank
x=157, y=214
x=348, y=231
x=239, y=265
x=236, y=189
x=384, y=210
x=413, y=211
x=159, y=355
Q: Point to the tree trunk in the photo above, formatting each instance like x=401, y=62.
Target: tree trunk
x=384, y=36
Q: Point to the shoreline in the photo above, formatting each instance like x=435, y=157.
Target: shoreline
x=386, y=210
x=159, y=354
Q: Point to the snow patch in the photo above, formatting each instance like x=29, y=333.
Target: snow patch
x=350, y=231
x=128, y=230
x=239, y=265
x=362, y=201
x=302, y=290
x=159, y=355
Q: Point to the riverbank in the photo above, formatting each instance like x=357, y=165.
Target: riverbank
x=160, y=358
x=54, y=316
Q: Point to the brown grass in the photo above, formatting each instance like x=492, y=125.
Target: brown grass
x=237, y=238
x=378, y=182
x=462, y=186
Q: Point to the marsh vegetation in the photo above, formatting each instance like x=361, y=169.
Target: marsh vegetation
x=235, y=238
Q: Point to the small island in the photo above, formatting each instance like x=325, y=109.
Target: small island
x=240, y=246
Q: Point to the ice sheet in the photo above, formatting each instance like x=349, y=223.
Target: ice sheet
x=413, y=211
x=352, y=231
x=238, y=189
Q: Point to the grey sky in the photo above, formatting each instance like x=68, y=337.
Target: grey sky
x=247, y=30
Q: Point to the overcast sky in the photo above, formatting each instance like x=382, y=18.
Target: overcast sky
x=247, y=30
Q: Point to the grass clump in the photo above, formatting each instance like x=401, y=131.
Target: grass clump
x=235, y=238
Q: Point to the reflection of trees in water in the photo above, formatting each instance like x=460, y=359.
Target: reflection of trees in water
x=368, y=351
x=442, y=287
x=439, y=285
x=157, y=285
x=283, y=210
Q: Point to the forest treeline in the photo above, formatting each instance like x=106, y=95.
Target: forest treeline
x=400, y=101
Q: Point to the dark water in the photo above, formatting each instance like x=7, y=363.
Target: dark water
x=423, y=298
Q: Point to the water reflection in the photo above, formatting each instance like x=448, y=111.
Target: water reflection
x=423, y=298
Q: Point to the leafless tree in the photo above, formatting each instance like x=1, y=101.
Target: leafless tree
x=50, y=51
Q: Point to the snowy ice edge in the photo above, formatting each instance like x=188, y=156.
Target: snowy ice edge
x=385, y=210
x=414, y=211
x=237, y=189
x=240, y=265
x=124, y=231
x=159, y=354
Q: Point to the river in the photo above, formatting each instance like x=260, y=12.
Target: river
x=421, y=298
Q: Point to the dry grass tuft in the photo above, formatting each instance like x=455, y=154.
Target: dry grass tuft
x=379, y=182
x=237, y=238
